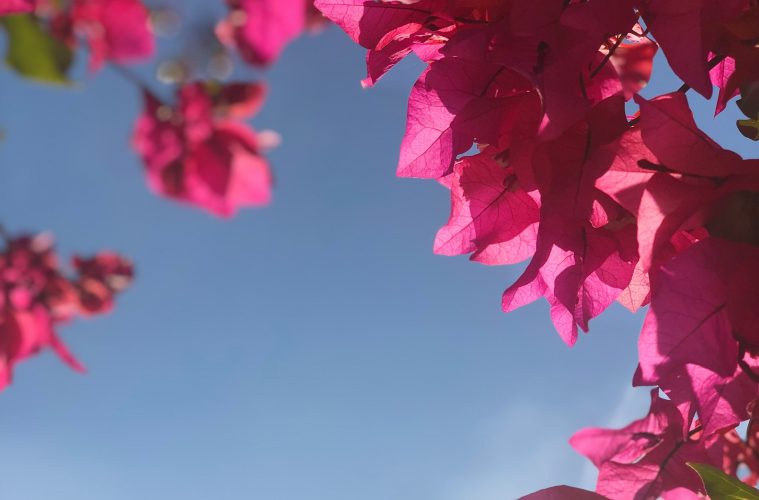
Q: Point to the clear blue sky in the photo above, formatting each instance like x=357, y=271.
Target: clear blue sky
x=312, y=350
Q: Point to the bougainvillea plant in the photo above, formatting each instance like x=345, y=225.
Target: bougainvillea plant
x=645, y=210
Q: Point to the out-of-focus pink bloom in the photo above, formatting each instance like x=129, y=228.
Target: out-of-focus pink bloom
x=198, y=153
x=15, y=6
x=35, y=297
x=100, y=278
x=114, y=30
x=261, y=29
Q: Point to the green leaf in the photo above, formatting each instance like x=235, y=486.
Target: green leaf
x=720, y=486
x=33, y=52
x=749, y=129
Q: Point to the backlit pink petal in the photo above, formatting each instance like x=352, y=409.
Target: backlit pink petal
x=579, y=283
x=584, y=27
x=529, y=17
x=629, y=444
x=394, y=46
x=688, y=321
x=489, y=211
x=579, y=268
x=625, y=179
x=367, y=21
x=742, y=294
x=638, y=292
x=454, y=104
x=648, y=458
x=670, y=132
x=514, y=250
x=676, y=25
x=666, y=204
x=720, y=76
x=721, y=401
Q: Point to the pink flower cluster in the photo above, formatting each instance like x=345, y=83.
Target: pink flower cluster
x=643, y=210
x=261, y=29
x=200, y=152
x=37, y=297
x=113, y=30
x=649, y=457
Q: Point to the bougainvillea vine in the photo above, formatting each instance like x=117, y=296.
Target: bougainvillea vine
x=644, y=210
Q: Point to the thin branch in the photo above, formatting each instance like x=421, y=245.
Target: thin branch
x=134, y=79
x=711, y=64
x=608, y=56
x=684, y=87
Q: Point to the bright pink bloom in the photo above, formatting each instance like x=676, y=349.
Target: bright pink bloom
x=197, y=153
x=691, y=340
x=392, y=30
x=644, y=176
x=647, y=459
x=485, y=64
x=720, y=76
x=491, y=215
x=676, y=24
x=456, y=103
x=629, y=209
x=721, y=402
x=671, y=133
x=687, y=30
x=586, y=253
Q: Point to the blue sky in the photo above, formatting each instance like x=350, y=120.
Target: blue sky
x=315, y=349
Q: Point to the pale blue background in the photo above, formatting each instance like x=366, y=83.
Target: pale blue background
x=315, y=349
